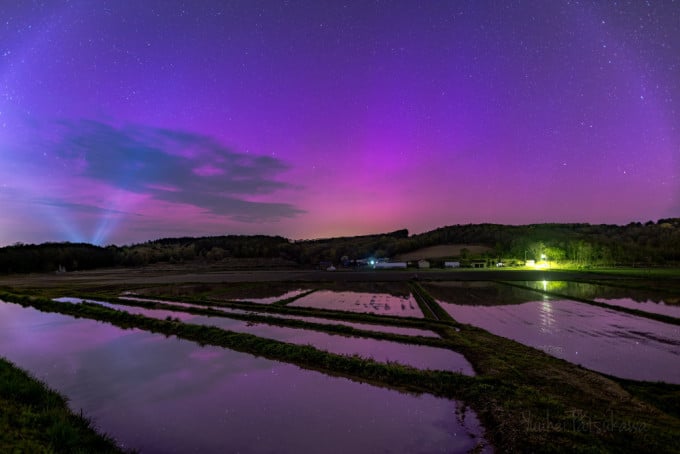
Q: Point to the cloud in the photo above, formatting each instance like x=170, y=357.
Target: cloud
x=80, y=207
x=172, y=166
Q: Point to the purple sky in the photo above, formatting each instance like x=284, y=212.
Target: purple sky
x=123, y=121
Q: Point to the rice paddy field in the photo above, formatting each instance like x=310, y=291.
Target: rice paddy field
x=396, y=365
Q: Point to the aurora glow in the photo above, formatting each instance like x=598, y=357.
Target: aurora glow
x=125, y=121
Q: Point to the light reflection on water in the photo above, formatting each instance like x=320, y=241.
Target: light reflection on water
x=166, y=395
x=658, y=302
x=546, y=316
x=604, y=340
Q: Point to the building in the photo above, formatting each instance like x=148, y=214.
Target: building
x=389, y=265
x=423, y=264
x=451, y=264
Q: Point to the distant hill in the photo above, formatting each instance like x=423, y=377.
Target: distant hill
x=652, y=243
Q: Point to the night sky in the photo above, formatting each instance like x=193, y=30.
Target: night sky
x=124, y=121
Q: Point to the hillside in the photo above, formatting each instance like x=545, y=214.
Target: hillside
x=583, y=245
x=444, y=251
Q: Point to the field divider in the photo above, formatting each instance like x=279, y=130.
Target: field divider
x=637, y=312
x=431, y=309
x=287, y=301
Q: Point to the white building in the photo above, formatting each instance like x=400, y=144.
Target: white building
x=389, y=265
x=423, y=264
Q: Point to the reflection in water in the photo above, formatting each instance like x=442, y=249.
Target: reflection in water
x=160, y=395
x=273, y=299
x=363, y=326
x=604, y=340
x=419, y=356
x=644, y=300
x=479, y=293
x=546, y=315
x=378, y=303
x=647, y=306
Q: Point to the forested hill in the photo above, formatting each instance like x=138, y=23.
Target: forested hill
x=652, y=243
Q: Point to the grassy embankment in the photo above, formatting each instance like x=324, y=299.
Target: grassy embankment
x=36, y=419
x=662, y=273
x=527, y=400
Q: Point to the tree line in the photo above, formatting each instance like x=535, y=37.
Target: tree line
x=652, y=243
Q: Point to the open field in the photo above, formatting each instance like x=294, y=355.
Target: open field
x=139, y=277
x=526, y=399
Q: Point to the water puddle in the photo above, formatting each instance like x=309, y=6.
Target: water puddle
x=167, y=395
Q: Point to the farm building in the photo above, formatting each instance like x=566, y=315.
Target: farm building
x=451, y=264
x=423, y=264
x=389, y=265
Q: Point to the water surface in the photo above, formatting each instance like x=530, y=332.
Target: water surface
x=478, y=293
x=376, y=303
x=364, y=326
x=167, y=395
x=604, y=340
x=657, y=302
x=420, y=356
x=273, y=299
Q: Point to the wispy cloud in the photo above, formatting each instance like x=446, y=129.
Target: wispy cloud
x=171, y=166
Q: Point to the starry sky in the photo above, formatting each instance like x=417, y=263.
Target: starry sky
x=124, y=121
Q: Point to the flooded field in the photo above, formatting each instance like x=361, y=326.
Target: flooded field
x=376, y=303
x=478, y=293
x=600, y=339
x=419, y=356
x=363, y=326
x=659, y=302
x=273, y=299
x=165, y=395
x=179, y=304
x=261, y=293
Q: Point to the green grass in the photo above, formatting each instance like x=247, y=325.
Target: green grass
x=286, y=301
x=36, y=419
x=638, y=272
x=431, y=309
x=527, y=400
